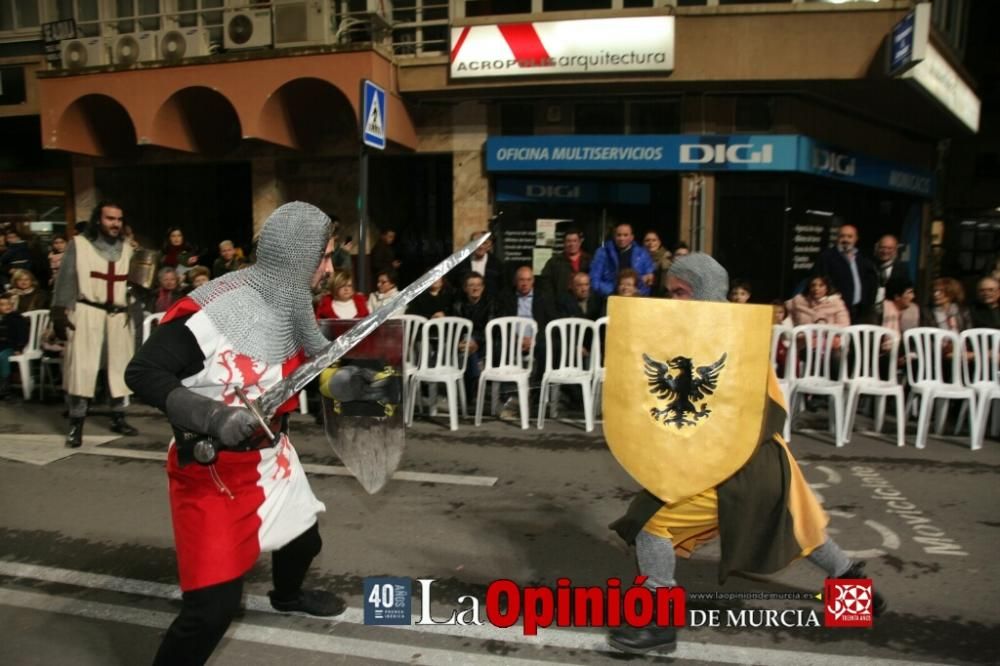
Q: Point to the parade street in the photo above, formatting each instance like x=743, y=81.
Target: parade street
x=88, y=575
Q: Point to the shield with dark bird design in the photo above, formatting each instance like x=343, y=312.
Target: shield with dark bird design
x=685, y=394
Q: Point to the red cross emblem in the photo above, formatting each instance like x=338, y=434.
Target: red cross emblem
x=110, y=278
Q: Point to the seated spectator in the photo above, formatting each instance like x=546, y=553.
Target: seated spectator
x=781, y=317
x=433, y=303
x=740, y=292
x=176, y=253
x=25, y=293
x=341, y=301
x=581, y=301
x=13, y=336
x=627, y=283
x=681, y=249
x=479, y=308
x=661, y=259
x=898, y=311
x=525, y=301
x=385, y=289
x=621, y=251
x=819, y=305
x=196, y=277
x=169, y=290
x=56, y=252
x=228, y=260
x=986, y=311
x=948, y=309
x=555, y=277
x=17, y=255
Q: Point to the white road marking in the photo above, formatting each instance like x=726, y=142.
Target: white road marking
x=44, y=449
x=832, y=476
x=569, y=639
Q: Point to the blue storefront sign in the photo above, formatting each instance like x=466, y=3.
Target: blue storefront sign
x=696, y=152
x=521, y=190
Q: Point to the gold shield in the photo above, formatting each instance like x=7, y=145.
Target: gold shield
x=685, y=390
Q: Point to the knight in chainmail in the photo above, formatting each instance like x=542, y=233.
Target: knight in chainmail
x=90, y=312
x=244, y=330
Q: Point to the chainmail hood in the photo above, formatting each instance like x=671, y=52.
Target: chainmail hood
x=265, y=310
x=708, y=279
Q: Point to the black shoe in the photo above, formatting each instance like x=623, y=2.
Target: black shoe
x=310, y=602
x=121, y=426
x=75, y=437
x=640, y=640
x=879, y=604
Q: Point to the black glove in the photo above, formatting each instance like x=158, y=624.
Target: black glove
x=60, y=321
x=229, y=426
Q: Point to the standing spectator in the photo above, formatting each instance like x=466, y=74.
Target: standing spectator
x=948, y=309
x=433, y=303
x=91, y=287
x=341, y=251
x=889, y=267
x=627, y=284
x=581, y=301
x=898, y=311
x=25, y=292
x=986, y=311
x=383, y=252
x=479, y=308
x=56, y=251
x=618, y=253
x=341, y=301
x=555, y=278
x=13, y=336
x=740, y=292
x=228, y=260
x=385, y=289
x=196, y=277
x=851, y=274
x=169, y=290
x=17, y=255
x=176, y=253
x=819, y=306
x=661, y=259
x=484, y=263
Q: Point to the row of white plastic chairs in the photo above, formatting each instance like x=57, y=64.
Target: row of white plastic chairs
x=434, y=354
x=846, y=363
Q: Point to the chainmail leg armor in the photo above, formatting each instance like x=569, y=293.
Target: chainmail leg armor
x=265, y=310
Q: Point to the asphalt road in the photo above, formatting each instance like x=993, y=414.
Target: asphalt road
x=87, y=571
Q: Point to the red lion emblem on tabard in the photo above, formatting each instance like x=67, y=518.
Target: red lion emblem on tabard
x=240, y=366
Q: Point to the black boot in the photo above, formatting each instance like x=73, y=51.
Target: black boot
x=4, y=388
x=75, y=437
x=879, y=604
x=640, y=640
x=309, y=602
x=121, y=426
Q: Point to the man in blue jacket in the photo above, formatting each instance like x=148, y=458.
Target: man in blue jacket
x=616, y=254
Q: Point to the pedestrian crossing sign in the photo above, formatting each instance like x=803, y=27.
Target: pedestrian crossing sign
x=373, y=115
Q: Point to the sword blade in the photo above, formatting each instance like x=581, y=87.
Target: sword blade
x=290, y=386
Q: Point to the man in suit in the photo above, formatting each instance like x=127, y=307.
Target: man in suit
x=581, y=301
x=889, y=267
x=852, y=273
x=525, y=301
x=483, y=263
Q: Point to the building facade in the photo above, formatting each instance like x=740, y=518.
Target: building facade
x=750, y=130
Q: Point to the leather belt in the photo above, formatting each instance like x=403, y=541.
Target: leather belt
x=110, y=308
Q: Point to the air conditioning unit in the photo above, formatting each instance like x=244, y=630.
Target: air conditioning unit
x=180, y=43
x=301, y=22
x=247, y=28
x=135, y=47
x=84, y=52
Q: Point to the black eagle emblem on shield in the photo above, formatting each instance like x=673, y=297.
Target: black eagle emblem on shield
x=682, y=389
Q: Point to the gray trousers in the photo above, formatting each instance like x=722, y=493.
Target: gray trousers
x=78, y=406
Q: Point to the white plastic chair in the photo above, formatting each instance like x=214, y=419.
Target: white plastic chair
x=867, y=346
x=38, y=320
x=813, y=351
x=567, y=336
x=981, y=372
x=597, y=361
x=444, y=364
x=507, y=361
x=412, y=325
x=782, y=335
x=150, y=322
x=926, y=358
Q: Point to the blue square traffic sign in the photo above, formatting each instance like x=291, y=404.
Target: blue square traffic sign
x=373, y=115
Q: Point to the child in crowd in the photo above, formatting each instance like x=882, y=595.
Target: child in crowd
x=628, y=283
x=13, y=336
x=740, y=292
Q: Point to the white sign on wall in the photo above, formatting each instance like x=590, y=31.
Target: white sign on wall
x=540, y=48
x=942, y=82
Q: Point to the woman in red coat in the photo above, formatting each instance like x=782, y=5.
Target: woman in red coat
x=341, y=301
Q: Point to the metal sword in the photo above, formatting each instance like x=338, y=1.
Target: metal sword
x=269, y=402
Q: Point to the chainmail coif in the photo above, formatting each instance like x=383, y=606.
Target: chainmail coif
x=265, y=310
x=708, y=279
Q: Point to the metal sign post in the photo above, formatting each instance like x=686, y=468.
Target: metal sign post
x=372, y=135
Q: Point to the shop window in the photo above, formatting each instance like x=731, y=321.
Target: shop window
x=196, y=17
x=599, y=118
x=12, y=85
x=692, y=3
x=637, y=3
x=496, y=7
x=753, y=114
x=569, y=5
x=979, y=241
x=654, y=117
x=517, y=119
x=18, y=15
